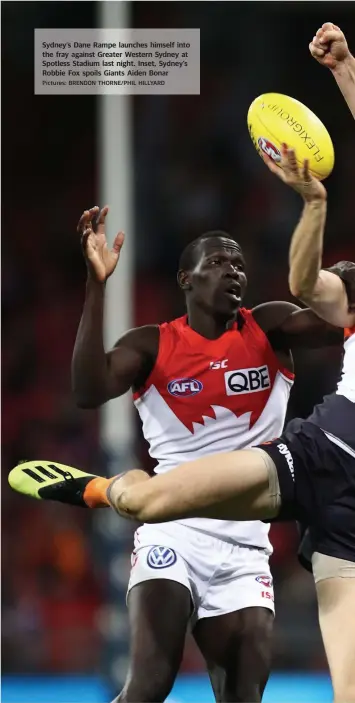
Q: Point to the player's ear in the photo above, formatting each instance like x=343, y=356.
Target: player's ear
x=183, y=279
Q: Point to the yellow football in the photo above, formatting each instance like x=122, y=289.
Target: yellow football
x=274, y=119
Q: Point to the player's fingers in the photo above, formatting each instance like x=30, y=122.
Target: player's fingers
x=273, y=167
x=327, y=25
x=316, y=51
x=118, y=243
x=102, y=215
x=330, y=35
x=84, y=238
x=87, y=218
x=316, y=40
x=84, y=220
x=286, y=159
x=306, y=172
x=292, y=162
x=94, y=211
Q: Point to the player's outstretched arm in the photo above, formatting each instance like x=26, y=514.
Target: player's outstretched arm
x=98, y=376
x=307, y=242
x=329, y=47
x=323, y=291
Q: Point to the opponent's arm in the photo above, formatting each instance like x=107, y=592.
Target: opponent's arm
x=329, y=47
x=288, y=326
x=323, y=291
x=98, y=376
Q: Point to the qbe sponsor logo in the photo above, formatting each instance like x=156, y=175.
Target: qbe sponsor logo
x=250, y=380
x=284, y=450
x=184, y=387
x=161, y=557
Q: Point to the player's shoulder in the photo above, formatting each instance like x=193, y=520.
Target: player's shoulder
x=144, y=339
x=174, y=328
x=148, y=338
x=271, y=315
x=345, y=270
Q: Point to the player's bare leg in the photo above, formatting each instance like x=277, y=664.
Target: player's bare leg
x=336, y=598
x=159, y=612
x=237, y=649
x=239, y=485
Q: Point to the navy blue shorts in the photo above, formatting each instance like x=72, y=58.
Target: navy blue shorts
x=317, y=485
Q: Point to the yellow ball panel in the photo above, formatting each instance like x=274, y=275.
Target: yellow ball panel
x=274, y=118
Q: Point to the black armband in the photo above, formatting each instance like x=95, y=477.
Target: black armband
x=346, y=271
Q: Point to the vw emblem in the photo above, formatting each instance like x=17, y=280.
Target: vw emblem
x=161, y=557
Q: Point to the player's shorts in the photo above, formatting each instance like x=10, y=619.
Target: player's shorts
x=221, y=577
x=317, y=488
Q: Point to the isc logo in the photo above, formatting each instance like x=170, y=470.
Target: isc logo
x=269, y=149
x=219, y=364
x=183, y=387
x=247, y=380
x=267, y=595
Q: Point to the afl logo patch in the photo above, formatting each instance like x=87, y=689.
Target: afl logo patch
x=265, y=580
x=183, y=387
x=269, y=149
x=161, y=557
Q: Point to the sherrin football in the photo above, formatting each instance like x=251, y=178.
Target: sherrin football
x=274, y=119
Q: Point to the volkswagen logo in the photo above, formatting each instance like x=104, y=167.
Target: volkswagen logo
x=161, y=557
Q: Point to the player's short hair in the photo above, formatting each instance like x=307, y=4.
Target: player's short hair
x=188, y=258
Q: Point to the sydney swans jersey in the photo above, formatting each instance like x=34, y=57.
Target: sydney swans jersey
x=208, y=396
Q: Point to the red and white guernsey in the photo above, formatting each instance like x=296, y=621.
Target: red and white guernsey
x=208, y=396
x=346, y=385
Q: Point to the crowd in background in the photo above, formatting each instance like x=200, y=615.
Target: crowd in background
x=195, y=169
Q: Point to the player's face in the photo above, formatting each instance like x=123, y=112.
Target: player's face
x=219, y=280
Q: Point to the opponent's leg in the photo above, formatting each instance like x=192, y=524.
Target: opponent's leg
x=245, y=487
x=237, y=648
x=335, y=585
x=159, y=612
x=242, y=489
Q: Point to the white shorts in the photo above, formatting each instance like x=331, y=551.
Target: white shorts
x=220, y=576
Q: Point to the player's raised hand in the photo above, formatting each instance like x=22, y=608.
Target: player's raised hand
x=101, y=261
x=300, y=179
x=329, y=46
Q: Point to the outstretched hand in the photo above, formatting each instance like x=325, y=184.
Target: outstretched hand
x=101, y=261
x=300, y=179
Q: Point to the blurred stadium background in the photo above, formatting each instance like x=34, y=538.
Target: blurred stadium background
x=184, y=165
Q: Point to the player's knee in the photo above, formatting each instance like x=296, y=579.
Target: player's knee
x=129, y=504
x=246, y=679
x=138, y=503
x=147, y=507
